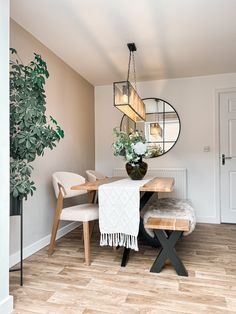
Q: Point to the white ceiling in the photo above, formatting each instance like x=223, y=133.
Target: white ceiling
x=174, y=38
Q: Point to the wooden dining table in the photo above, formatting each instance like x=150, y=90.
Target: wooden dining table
x=154, y=185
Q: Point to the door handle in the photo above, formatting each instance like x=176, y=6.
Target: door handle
x=224, y=158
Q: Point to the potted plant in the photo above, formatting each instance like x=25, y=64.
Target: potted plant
x=31, y=132
x=132, y=146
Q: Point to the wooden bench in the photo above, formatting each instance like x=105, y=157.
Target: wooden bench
x=168, y=231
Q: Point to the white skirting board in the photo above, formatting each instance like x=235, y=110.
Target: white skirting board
x=38, y=245
x=179, y=174
x=6, y=305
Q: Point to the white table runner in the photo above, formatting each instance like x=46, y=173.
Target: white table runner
x=119, y=214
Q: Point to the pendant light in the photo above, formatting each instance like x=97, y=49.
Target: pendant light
x=126, y=98
x=155, y=129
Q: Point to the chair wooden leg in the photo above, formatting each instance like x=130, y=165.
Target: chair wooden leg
x=92, y=224
x=91, y=196
x=55, y=224
x=91, y=228
x=53, y=236
x=86, y=242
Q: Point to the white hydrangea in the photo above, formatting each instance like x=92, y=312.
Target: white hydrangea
x=139, y=148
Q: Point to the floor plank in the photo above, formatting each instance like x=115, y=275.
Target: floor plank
x=63, y=284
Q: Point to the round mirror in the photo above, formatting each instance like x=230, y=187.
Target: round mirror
x=161, y=127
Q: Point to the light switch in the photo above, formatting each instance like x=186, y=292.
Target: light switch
x=206, y=149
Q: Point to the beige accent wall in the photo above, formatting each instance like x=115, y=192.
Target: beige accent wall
x=70, y=100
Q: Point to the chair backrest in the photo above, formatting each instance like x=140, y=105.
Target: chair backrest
x=94, y=175
x=67, y=180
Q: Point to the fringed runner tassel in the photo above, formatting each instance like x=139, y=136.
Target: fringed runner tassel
x=121, y=239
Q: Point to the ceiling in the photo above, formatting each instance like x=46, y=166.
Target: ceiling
x=174, y=38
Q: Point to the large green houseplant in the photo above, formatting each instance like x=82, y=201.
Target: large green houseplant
x=31, y=132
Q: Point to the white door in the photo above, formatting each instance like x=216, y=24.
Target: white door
x=228, y=156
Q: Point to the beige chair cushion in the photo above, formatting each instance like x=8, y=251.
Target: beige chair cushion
x=83, y=212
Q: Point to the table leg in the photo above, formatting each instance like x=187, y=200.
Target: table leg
x=143, y=201
x=125, y=257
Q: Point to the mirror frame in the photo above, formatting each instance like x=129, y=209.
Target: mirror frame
x=144, y=122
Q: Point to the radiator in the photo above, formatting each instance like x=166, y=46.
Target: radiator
x=179, y=174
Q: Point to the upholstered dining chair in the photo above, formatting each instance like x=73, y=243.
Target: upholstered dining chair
x=62, y=183
x=94, y=175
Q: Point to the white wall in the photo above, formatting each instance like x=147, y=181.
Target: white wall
x=5, y=299
x=195, y=101
x=70, y=100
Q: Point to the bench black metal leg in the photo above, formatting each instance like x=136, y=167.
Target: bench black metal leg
x=159, y=262
x=178, y=264
x=168, y=252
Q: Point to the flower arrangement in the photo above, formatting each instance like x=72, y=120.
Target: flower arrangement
x=131, y=146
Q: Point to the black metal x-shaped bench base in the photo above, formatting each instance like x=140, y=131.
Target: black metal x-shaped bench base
x=168, y=241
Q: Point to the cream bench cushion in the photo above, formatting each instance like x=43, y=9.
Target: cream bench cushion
x=172, y=209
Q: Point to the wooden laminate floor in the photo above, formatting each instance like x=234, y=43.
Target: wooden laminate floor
x=62, y=284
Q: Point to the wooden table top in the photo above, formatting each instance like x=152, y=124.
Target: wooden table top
x=154, y=185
